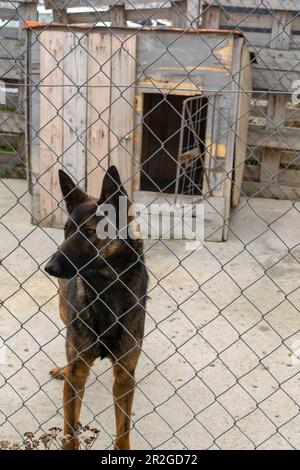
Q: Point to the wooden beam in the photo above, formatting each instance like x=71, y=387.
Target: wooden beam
x=193, y=13
x=284, y=139
x=75, y=64
x=281, y=30
x=98, y=109
x=270, y=190
x=62, y=4
x=178, y=14
x=9, y=69
x=288, y=5
x=27, y=11
x=211, y=17
x=118, y=15
x=51, y=127
x=11, y=122
x=131, y=15
x=60, y=16
x=123, y=75
x=276, y=112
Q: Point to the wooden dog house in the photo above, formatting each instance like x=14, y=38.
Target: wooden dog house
x=144, y=100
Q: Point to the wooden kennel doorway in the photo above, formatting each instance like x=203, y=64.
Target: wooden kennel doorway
x=174, y=129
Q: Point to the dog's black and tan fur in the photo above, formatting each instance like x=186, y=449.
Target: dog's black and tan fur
x=102, y=295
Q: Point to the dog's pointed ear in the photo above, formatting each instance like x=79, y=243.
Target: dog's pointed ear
x=71, y=193
x=112, y=187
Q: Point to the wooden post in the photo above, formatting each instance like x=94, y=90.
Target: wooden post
x=118, y=16
x=281, y=30
x=271, y=156
x=211, y=17
x=27, y=12
x=193, y=13
x=178, y=14
x=58, y=9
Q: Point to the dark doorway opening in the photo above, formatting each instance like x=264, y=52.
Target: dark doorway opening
x=162, y=139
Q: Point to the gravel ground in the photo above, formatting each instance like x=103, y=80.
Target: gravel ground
x=217, y=369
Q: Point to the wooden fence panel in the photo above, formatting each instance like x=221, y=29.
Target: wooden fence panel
x=74, y=109
x=123, y=105
x=99, y=75
x=51, y=126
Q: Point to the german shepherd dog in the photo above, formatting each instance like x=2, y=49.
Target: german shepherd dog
x=102, y=300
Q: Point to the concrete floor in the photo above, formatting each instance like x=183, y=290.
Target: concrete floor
x=217, y=370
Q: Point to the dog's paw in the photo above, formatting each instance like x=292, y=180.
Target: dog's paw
x=58, y=373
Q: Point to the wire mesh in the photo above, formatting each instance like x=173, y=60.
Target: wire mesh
x=219, y=367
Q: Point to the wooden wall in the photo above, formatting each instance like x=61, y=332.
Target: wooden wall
x=272, y=167
x=90, y=97
x=86, y=116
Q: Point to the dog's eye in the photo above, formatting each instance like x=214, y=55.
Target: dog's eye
x=89, y=232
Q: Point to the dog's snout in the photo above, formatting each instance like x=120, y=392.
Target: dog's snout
x=60, y=265
x=53, y=268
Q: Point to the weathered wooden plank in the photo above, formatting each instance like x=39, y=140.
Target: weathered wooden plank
x=170, y=59
x=9, y=32
x=123, y=77
x=211, y=17
x=276, y=112
x=9, y=158
x=34, y=138
x=237, y=51
x=290, y=158
x=131, y=15
x=281, y=30
x=9, y=140
x=278, y=60
x=284, y=139
x=8, y=14
x=270, y=165
x=178, y=14
x=60, y=16
x=292, y=115
x=27, y=11
x=51, y=126
x=12, y=48
x=242, y=20
x=276, y=70
x=289, y=5
x=99, y=75
x=252, y=173
x=11, y=122
x=289, y=178
x=118, y=15
x=257, y=39
x=242, y=126
x=271, y=191
x=63, y=4
x=11, y=69
x=273, y=80
x=74, y=109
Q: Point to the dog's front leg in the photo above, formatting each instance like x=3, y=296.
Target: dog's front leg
x=75, y=379
x=123, y=391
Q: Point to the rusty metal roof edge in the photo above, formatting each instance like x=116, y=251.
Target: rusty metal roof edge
x=40, y=25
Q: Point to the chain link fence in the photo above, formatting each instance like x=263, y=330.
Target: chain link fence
x=194, y=103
